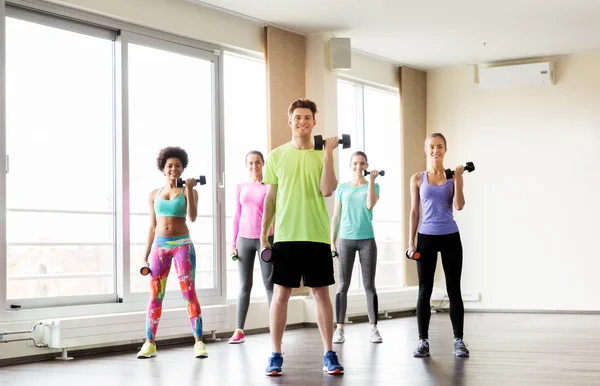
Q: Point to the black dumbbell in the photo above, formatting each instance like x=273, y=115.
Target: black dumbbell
x=412, y=255
x=145, y=270
x=470, y=166
x=266, y=254
x=344, y=141
x=366, y=173
x=181, y=181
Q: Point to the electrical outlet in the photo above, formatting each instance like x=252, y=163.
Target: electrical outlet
x=468, y=296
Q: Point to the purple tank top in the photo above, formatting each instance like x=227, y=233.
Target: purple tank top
x=436, y=202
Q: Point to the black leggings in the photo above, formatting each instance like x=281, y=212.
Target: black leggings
x=450, y=247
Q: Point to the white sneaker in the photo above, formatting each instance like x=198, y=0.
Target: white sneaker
x=338, y=336
x=375, y=337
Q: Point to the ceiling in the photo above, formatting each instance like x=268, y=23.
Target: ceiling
x=430, y=34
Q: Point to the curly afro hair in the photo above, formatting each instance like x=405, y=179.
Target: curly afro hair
x=171, y=152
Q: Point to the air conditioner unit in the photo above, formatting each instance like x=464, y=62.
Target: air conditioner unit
x=520, y=75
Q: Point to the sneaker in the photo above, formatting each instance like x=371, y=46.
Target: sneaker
x=338, y=336
x=460, y=348
x=237, y=337
x=148, y=350
x=331, y=364
x=422, y=349
x=200, y=350
x=275, y=363
x=375, y=337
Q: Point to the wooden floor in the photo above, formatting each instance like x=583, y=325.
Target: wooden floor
x=506, y=349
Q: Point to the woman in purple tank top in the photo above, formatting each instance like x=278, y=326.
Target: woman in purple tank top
x=437, y=232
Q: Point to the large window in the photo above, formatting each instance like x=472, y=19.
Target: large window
x=245, y=130
x=59, y=143
x=372, y=116
x=88, y=109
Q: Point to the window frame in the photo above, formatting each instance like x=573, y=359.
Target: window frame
x=260, y=58
x=209, y=296
x=75, y=27
x=3, y=163
x=360, y=142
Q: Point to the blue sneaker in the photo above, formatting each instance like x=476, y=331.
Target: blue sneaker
x=275, y=363
x=331, y=364
x=422, y=349
x=460, y=348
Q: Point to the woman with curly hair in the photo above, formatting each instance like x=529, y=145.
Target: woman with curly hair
x=169, y=240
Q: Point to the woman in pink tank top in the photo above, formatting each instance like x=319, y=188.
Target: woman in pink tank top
x=247, y=221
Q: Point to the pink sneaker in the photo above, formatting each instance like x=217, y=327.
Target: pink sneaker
x=237, y=337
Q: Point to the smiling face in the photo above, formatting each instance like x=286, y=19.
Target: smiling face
x=255, y=164
x=302, y=122
x=435, y=148
x=173, y=168
x=358, y=163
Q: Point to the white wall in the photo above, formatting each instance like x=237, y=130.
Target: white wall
x=529, y=227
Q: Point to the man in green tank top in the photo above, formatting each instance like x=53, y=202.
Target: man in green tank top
x=298, y=179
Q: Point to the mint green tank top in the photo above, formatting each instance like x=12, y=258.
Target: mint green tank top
x=176, y=207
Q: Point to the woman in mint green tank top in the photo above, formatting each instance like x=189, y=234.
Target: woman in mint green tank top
x=352, y=224
x=169, y=242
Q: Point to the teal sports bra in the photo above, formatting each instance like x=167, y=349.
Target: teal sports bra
x=176, y=207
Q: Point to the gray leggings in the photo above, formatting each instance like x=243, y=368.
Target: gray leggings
x=367, y=253
x=247, y=251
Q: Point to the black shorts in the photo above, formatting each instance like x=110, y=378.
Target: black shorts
x=302, y=260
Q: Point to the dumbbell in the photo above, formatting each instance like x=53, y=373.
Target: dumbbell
x=334, y=254
x=470, y=166
x=344, y=141
x=234, y=257
x=181, y=181
x=366, y=173
x=412, y=255
x=266, y=254
x=145, y=270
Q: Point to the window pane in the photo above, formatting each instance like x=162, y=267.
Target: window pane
x=382, y=120
x=59, y=88
x=390, y=267
x=370, y=115
x=170, y=104
x=245, y=130
x=349, y=122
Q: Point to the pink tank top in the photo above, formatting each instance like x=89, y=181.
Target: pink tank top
x=249, y=206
